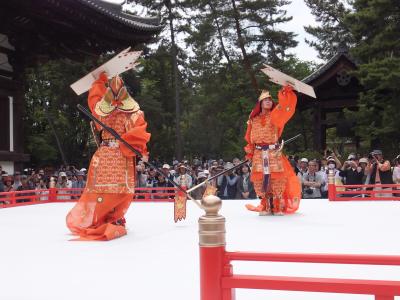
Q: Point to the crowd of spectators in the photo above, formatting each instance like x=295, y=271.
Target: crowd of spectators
x=312, y=173
x=372, y=169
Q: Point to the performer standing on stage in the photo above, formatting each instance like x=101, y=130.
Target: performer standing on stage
x=99, y=213
x=272, y=175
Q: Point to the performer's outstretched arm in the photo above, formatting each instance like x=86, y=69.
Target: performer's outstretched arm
x=285, y=108
x=97, y=92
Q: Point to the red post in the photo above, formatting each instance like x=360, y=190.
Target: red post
x=13, y=198
x=381, y=297
x=213, y=265
x=331, y=186
x=52, y=194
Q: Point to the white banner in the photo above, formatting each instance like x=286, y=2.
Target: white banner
x=282, y=79
x=120, y=63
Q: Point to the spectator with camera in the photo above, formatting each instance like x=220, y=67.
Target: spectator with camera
x=183, y=179
x=63, y=183
x=351, y=171
x=379, y=170
x=303, y=167
x=312, y=181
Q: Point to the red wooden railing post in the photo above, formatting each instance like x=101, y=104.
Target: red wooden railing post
x=212, y=252
x=52, y=194
x=380, y=297
x=331, y=186
x=13, y=198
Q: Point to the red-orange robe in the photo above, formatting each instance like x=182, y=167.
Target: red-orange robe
x=284, y=185
x=111, y=176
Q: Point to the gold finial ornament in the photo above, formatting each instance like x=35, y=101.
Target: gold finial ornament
x=211, y=204
x=211, y=225
x=264, y=95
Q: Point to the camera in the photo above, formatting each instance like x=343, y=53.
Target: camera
x=308, y=191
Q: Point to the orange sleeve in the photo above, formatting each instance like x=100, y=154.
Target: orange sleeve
x=97, y=91
x=249, y=148
x=285, y=108
x=136, y=135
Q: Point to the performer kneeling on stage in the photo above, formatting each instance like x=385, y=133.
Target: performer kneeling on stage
x=272, y=175
x=99, y=213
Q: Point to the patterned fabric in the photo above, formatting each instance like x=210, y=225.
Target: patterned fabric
x=99, y=213
x=264, y=132
x=266, y=129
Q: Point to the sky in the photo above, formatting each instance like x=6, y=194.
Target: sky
x=301, y=17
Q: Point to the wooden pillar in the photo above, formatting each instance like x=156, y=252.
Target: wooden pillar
x=323, y=129
x=317, y=127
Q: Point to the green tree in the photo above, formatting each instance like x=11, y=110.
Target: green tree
x=332, y=30
x=50, y=102
x=376, y=26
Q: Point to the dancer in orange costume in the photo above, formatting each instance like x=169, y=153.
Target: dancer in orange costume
x=99, y=213
x=272, y=174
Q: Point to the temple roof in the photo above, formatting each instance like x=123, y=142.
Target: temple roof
x=343, y=53
x=115, y=11
x=73, y=28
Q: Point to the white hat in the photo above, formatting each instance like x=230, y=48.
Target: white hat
x=304, y=160
x=228, y=165
x=202, y=175
x=351, y=156
x=83, y=170
x=363, y=160
x=206, y=172
x=62, y=174
x=166, y=166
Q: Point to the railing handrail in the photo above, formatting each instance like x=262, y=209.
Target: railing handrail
x=395, y=185
x=218, y=281
x=362, y=192
x=356, y=259
x=309, y=284
x=29, y=197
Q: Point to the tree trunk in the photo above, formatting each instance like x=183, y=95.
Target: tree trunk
x=246, y=61
x=178, y=149
x=215, y=17
x=55, y=136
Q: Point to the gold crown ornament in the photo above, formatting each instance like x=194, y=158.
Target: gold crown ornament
x=116, y=97
x=264, y=95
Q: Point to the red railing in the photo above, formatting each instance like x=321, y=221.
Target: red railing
x=29, y=197
x=218, y=281
x=362, y=192
x=381, y=289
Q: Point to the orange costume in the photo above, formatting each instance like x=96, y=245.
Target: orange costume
x=272, y=175
x=99, y=213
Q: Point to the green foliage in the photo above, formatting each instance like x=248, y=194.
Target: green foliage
x=215, y=93
x=50, y=99
x=332, y=30
x=375, y=26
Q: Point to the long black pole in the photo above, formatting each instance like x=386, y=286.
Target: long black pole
x=118, y=137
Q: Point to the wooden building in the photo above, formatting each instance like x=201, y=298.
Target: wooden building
x=335, y=89
x=33, y=31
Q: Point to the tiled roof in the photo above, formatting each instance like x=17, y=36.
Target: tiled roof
x=114, y=10
x=328, y=65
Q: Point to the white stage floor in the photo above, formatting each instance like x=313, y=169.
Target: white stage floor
x=158, y=259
